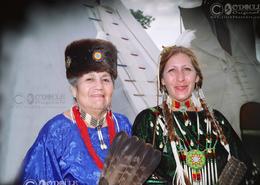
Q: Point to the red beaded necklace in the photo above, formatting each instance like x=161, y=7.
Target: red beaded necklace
x=86, y=138
x=182, y=106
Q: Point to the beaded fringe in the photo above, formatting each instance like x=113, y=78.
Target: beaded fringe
x=208, y=175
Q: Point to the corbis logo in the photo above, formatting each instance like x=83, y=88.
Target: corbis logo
x=44, y=182
x=233, y=9
x=216, y=9
x=38, y=99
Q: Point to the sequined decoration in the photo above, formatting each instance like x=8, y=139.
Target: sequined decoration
x=98, y=56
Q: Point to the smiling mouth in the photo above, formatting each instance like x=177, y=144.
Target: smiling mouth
x=180, y=87
x=98, y=96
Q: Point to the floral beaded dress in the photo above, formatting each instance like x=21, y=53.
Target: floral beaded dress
x=145, y=127
x=59, y=155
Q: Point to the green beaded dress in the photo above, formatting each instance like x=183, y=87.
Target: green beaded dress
x=146, y=127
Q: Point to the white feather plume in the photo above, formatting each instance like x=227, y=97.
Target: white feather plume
x=185, y=38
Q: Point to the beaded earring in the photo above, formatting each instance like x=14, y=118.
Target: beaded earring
x=167, y=98
x=164, y=93
x=196, y=98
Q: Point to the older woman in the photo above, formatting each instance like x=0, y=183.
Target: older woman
x=195, y=143
x=72, y=146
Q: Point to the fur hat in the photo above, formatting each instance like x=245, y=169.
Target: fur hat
x=86, y=55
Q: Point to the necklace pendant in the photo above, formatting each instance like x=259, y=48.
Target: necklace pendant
x=183, y=109
x=196, y=159
x=103, y=146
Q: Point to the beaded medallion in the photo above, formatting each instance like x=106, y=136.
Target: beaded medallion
x=195, y=159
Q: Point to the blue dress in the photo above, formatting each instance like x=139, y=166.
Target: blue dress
x=59, y=155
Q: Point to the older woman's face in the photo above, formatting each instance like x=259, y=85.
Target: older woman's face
x=93, y=92
x=179, y=77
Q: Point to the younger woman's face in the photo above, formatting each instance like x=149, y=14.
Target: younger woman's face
x=179, y=77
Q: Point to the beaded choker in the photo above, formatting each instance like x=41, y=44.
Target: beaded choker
x=91, y=120
x=86, y=137
x=97, y=124
x=181, y=106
